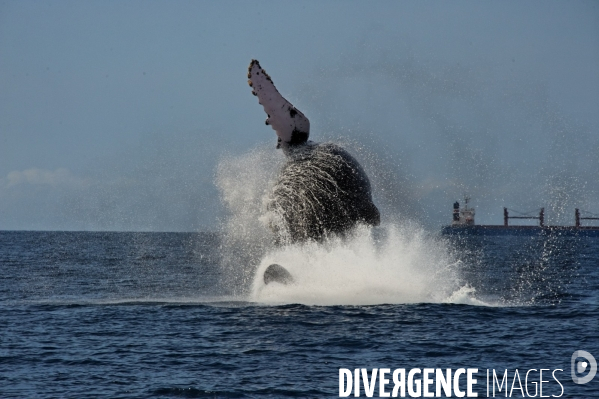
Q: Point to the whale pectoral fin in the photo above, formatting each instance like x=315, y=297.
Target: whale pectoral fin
x=291, y=126
x=277, y=274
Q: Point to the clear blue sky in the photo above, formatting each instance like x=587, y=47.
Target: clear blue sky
x=114, y=115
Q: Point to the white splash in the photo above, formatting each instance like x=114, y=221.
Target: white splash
x=405, y=265
x=465, y=296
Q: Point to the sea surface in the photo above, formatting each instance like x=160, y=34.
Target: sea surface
x=157, y=315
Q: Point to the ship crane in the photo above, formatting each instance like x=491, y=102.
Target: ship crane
x=578, y=218
x=541, y=217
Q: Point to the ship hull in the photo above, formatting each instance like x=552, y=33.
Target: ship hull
x=497, y=230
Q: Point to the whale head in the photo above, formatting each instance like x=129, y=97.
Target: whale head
x=290, y=124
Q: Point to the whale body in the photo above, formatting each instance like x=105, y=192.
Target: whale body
x=277, y=274
x=321, y=190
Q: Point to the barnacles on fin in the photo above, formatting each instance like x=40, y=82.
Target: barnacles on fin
x=290, y=124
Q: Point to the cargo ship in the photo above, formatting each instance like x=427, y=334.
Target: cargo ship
x=463, y=224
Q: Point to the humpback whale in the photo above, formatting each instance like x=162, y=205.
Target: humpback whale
x=321, y=190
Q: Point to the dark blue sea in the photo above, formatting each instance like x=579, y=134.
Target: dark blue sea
x=175, y=315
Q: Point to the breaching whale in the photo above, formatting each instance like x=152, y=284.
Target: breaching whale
x=321, y=190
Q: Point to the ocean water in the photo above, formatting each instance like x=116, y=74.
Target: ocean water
x=170, y=315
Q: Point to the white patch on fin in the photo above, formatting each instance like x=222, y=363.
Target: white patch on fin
x=291, y=126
